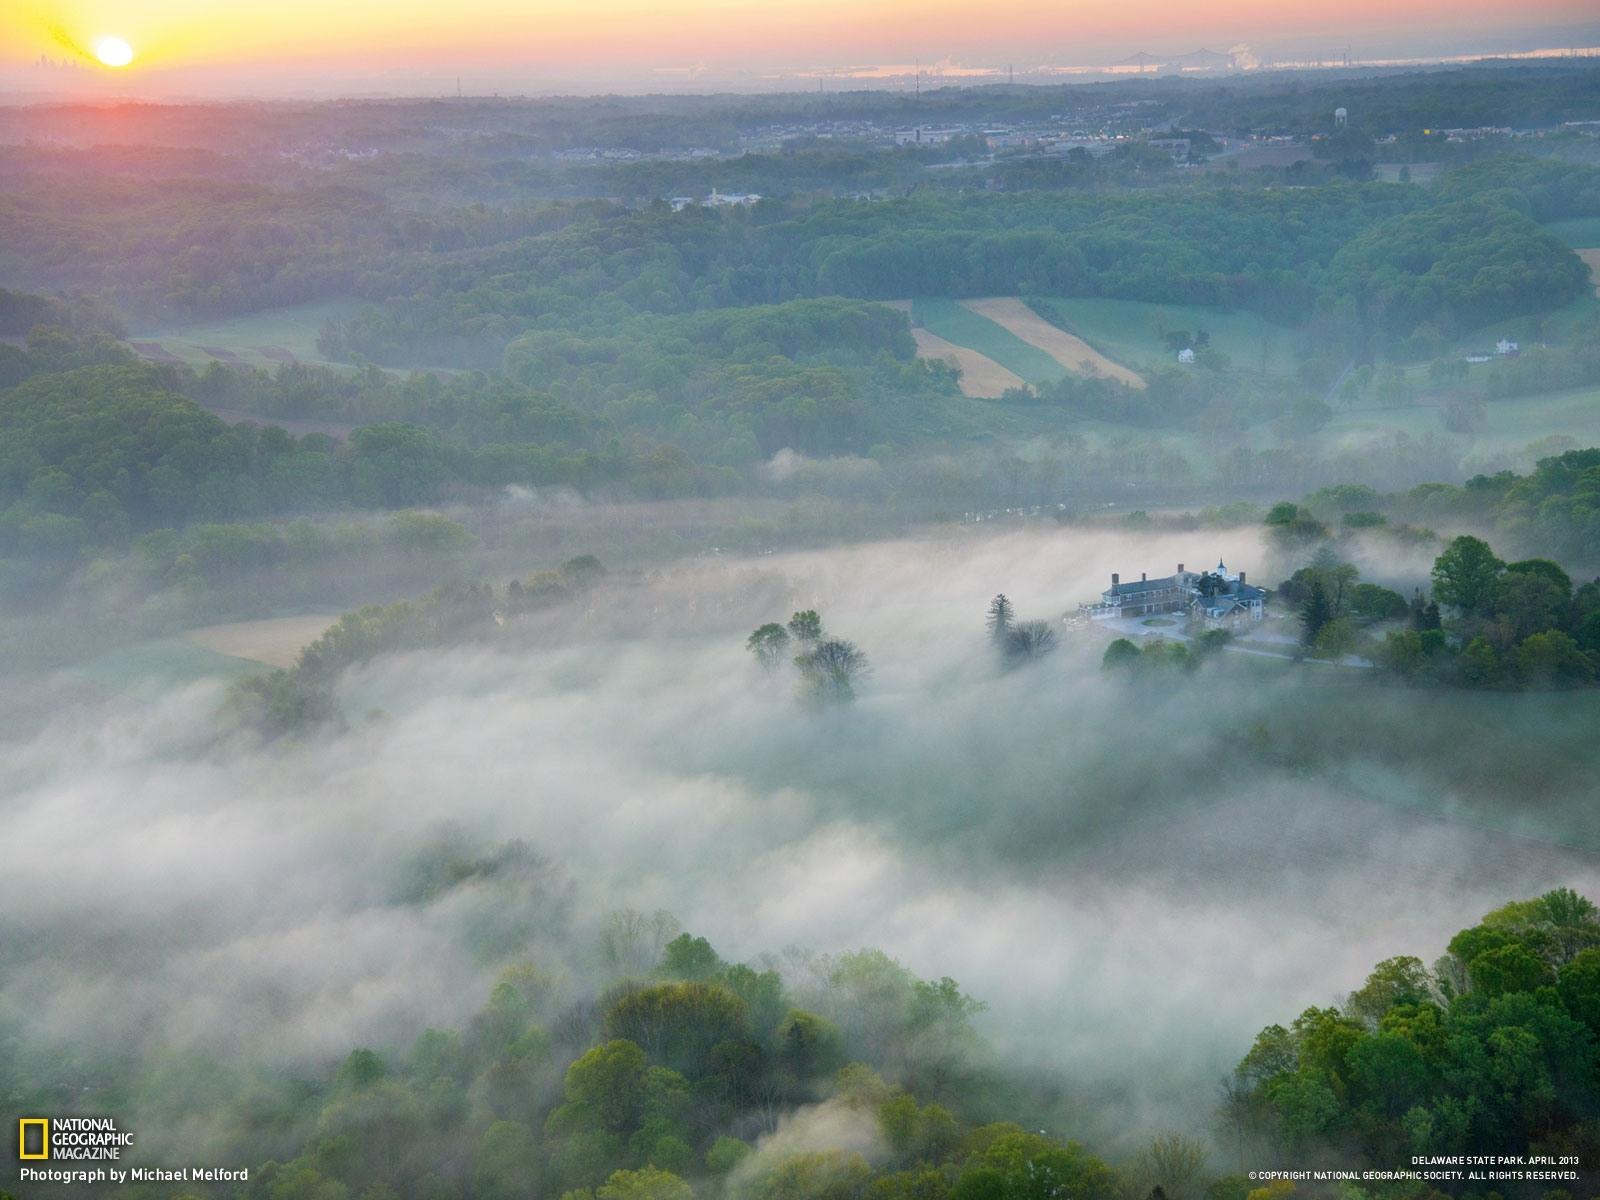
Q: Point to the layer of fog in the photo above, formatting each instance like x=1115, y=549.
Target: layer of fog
x=1135, y=877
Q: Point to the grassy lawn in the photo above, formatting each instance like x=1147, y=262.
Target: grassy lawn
x=1130, y=332
x=160, y=665
x=951, y=321
x=292, y=329
x=1556, y=325
x=1512, y=424
x=1579, y=234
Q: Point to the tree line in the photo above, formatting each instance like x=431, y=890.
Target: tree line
x=1552, y=510
x=99, y=447
x=1492, y=1049
x=1505, y=625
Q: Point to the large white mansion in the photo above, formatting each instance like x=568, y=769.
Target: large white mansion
x=1217, y=597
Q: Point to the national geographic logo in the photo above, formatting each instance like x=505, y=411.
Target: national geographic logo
x=86, y=1149
x=75, y=1139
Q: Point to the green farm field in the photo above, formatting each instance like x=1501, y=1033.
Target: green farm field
x=1513, y=428
x=1130, y=331
x=1580, y=234
x=262, y=339
x=1556, y=325
x=1511, y=425
x=161, y=664
x=954, y=322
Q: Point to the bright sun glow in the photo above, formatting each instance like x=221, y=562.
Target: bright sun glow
x=113, y=52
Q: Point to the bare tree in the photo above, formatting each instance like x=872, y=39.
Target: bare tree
x=1236, y=1110
x=631, y=942
x=1172, y=1165
x=1028, y=642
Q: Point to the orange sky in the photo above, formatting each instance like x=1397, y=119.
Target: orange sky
x=176, y=36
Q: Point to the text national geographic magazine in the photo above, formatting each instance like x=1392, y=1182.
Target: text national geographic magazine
x=736, y=600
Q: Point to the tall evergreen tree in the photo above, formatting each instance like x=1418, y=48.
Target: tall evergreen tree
x=1315, y=613
x=1001, y=618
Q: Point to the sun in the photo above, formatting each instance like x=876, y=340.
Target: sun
x=113, y=52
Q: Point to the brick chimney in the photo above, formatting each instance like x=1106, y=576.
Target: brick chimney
x=1180, y=568
x=1115, y=579
x=1241, y=578
x=1143, y=578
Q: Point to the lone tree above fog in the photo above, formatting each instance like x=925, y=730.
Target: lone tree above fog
x=828, y=668
x=806, y=627
x=769, y=644
x=1001, y=617
x=1017, y=642
x=829, y=671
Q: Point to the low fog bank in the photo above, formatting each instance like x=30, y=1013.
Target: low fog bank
x=1135, y=875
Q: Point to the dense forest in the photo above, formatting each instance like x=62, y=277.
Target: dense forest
x=1551, y=510
x=453, y=289
x=692, y=1076
x=95, y=453
x=1485, y=623
x=685, y=334
x=1493, y=1046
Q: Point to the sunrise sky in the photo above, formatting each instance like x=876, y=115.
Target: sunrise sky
x=285, y=46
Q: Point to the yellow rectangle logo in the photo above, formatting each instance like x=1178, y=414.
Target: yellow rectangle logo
x=43, y=1125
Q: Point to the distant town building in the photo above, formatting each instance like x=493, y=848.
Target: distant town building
x=730, y=199
x=924, y=136
x=1506, y=348
x=1341, y=117
x=1186, y=356
x=1005, y=139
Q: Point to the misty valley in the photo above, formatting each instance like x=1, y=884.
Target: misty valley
x=667, y=647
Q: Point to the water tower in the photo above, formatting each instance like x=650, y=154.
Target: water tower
x=1341, y=117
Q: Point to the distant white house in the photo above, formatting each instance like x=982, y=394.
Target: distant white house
x=730, y=199
x=1504, y=348
x=1186, y=356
